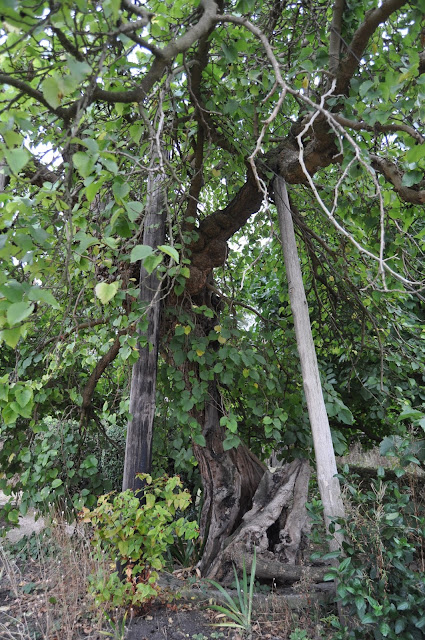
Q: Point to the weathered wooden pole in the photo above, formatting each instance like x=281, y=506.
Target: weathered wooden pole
x=138, y=450
x=329, y=486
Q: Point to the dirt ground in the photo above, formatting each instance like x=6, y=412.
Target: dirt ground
x=43, y=596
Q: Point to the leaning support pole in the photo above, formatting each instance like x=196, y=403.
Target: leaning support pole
x=138, y=449
x=329, y=487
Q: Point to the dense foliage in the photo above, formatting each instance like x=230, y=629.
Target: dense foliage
x=134, y=530
x=381, y=572
x=103, y=100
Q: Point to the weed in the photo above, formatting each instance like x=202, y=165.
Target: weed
x=239, y=610
x=118, y=627
x=49, y=590
x=380, y=576
x=299, y=634
x=134, y=529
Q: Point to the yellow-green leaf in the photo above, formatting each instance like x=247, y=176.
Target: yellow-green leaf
x=105, y=292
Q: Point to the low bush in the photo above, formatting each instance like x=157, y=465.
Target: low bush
x=381, y=573
x=134, y=530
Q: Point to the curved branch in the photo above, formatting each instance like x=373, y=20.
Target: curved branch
x=137, y=10
x=379, y=128
x=391, y=172
x=163, y=58
x=159, y=65
x=33, y=93
x=100, y=367
x=67, y=45
x=371, y=22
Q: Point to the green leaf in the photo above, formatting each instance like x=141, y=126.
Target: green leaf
x=43, y=295
x=120, y=190
x=364, y=88
x=56, y=483
x=84, y=162
x=411, y=177
x=140, y=252
x=134, y=209
x=13, y=516
x=151, y=262
x=18, y=312
x=408, y=413
x=384, y=628
x=52, y=91
x=170, y=251
x=11, y=336
x=105, y=292
x=198, y=438
x=79, y=70
x=23, y=396
x=415, y=153
x=231, y=442
x=16, y=159
x=400, y=625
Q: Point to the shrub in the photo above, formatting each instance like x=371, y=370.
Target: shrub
x=381, y=572
x=55, y=469
x=134, y=530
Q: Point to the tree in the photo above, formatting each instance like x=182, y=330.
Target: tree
x=224, y=97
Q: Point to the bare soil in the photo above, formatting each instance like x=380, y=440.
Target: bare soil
x=43, y=596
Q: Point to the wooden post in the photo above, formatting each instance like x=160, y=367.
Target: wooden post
x=329, y=487
x=138, y=450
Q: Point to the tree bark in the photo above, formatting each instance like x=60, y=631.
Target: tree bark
x=276, y=502
x=138, y=450
x=230, y=479
x=329, y=487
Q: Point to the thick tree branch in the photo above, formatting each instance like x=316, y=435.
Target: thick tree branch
x=137, y=10
x=372, y=20
x=67, y=45
x=41, y=174
x=159, y=65
x=210, y=249
x=335, y=36
x=391, y=172
x=97, y=373
x=33, y=93
x=163, y=58
x=379, y=128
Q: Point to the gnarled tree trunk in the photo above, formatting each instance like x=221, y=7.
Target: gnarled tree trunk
x=274, y=525
x=230, y=479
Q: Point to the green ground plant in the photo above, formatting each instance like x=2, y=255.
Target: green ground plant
x=380, y=575
x=134, y=530
x=239, y=609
